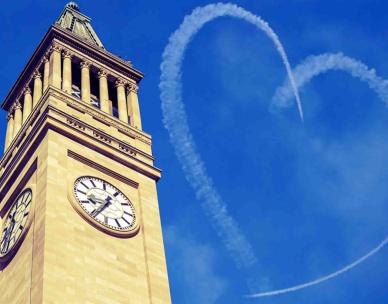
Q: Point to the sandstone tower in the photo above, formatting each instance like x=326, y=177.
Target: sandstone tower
x=78, y=200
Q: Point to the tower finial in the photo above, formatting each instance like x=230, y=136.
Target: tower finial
x=73, y=5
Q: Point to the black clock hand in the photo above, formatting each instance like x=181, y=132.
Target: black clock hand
x=4, y=244
x=12, y=226
x=8, y=235
x=93, y=201
x=102, y=207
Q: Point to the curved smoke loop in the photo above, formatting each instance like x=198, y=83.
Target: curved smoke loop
x=313, y=66
x=175, y=121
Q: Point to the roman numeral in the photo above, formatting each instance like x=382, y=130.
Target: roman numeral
x=85, y=202
x=106, y=220
x=117, y=222
x=115, y=194
x=128, y=213
x=126, y=221
x=104, y=186
x=81, y=191
x=84, y=185
x=94, y=185
x=124, y=204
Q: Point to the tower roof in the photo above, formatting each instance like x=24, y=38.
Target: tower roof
x=74, y=21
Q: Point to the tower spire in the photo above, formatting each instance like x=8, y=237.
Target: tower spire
x=74, y=21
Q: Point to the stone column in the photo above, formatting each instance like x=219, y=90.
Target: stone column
x=67, y=81
x=27, y=106
x=104, y=95
x=85, y=82
x=37, y=88
x=17, y=118
x=46, y=73
x=133, y=105
x=121, y=102
x=9, y=135
x=55, y=78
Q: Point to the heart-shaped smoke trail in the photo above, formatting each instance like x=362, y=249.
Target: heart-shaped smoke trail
x=175, y=120
x=311, y=67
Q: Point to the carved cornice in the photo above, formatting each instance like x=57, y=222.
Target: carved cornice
x=106, y=118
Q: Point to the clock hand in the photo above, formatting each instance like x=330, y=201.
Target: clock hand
x=93, y=201
x=4, y=244
x=102, y=207
x=8, y=236
x=10, y=229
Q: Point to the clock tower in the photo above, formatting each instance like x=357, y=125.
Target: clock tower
x=79, y=209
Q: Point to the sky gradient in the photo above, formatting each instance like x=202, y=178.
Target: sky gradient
x=310, y=197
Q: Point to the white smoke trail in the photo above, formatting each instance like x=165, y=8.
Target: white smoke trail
x=315, y=65
x=325, y=278
x=175, y=120
x=304, y=72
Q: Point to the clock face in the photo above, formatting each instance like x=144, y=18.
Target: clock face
x=15, y=221
x=105, y=203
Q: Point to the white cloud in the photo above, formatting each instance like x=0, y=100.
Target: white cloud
x=195, y=263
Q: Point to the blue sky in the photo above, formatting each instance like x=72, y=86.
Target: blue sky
x=310, y=198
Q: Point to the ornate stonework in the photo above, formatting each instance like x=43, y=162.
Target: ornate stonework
x=17, y=105
x=119, y=83
x=132, y=87
x=26, y=91
x=102, y=73
x=85, y=64
x=67, y=54
x=37, y=74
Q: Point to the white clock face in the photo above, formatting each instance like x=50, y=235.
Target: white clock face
x=105, y=203
x=15, y=221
